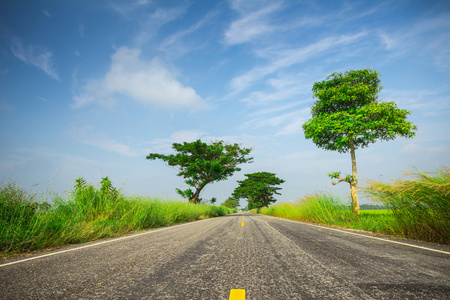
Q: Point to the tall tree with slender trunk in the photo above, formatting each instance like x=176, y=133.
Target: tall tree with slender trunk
x=349, y=115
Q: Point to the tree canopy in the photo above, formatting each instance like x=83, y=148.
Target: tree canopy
x=258, y=188
x=348, y=115
x=231, y=202
x=201, y=163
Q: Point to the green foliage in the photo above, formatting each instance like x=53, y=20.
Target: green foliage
x=258, y=189
x=326, y=209
x=336, y=175
x=348, y=115
x=348, y=109
x=89, y=213
x=201, y=163
x=417, y=208
x=420, y=203
x=231, y=202
x=361, y=126
x=345, y=92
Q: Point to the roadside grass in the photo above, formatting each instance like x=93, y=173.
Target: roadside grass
x=321, y=208
x=417, y=208
x=88, y=213
x=420, y=203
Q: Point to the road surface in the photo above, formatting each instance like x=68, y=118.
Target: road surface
x=269, y=258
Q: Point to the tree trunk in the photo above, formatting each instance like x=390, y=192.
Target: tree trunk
x=195, y=198
x=354, y=183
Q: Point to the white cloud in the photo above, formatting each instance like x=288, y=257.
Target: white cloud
x=286, y=123
x=125, y=9
x=81, y=30
x=164, y=145
x=147, y=82
x=173, y=43
x=149, y=24
x=427, y=102
x=36, y=56
x=114, y=146
x=426, y=37
x=283, y=58
x=85, y=135
x=44, y=99
x=251, y=24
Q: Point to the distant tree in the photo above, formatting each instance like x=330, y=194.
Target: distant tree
x=202, y=163
x=348, y=115
x=231, y=202
x=258, y=189
x=213, y=200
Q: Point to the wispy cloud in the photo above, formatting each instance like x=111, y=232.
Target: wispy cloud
x=44, y=99
x=147, y=82
x=114, y=146
x=412, y=37
x=86, y=135
x=126, y=9
x=81, y=30
x=36, y=56
x=150, y=23
x=286, y=123
x=253, y=22
x=427, y=102
x=282, y=58
x=173, y=43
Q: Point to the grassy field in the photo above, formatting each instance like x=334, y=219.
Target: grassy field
x=418, y=208
x=88, y=213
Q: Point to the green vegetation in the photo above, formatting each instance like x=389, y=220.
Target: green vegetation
x=258, y=188
x=231, y=202
x=88, y=213
x=418, y=208
x=326, y=209
x=348, y=115
x=201, y=164
x=420, y=205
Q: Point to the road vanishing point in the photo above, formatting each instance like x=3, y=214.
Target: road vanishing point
x=239, y=256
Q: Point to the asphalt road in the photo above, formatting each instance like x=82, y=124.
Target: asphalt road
x=269, y=258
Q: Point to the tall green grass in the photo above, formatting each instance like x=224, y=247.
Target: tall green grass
x=420, y=203
x=327, y=209
x=88, y=213
x=418, y=207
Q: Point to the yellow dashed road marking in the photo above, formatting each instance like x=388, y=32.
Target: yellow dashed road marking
x=242, y=224
x=237, y=295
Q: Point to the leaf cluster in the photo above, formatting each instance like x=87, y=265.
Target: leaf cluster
x=231, y=202
x=258, y=188
x=201, y=163
x=348, y=113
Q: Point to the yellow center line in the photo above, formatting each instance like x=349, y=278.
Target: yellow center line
x=237, y=294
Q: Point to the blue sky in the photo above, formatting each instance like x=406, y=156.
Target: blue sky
x=89, y=88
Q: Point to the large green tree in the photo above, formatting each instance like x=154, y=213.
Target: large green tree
x=348, y=115
x=202, y=163
x=258, y=188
